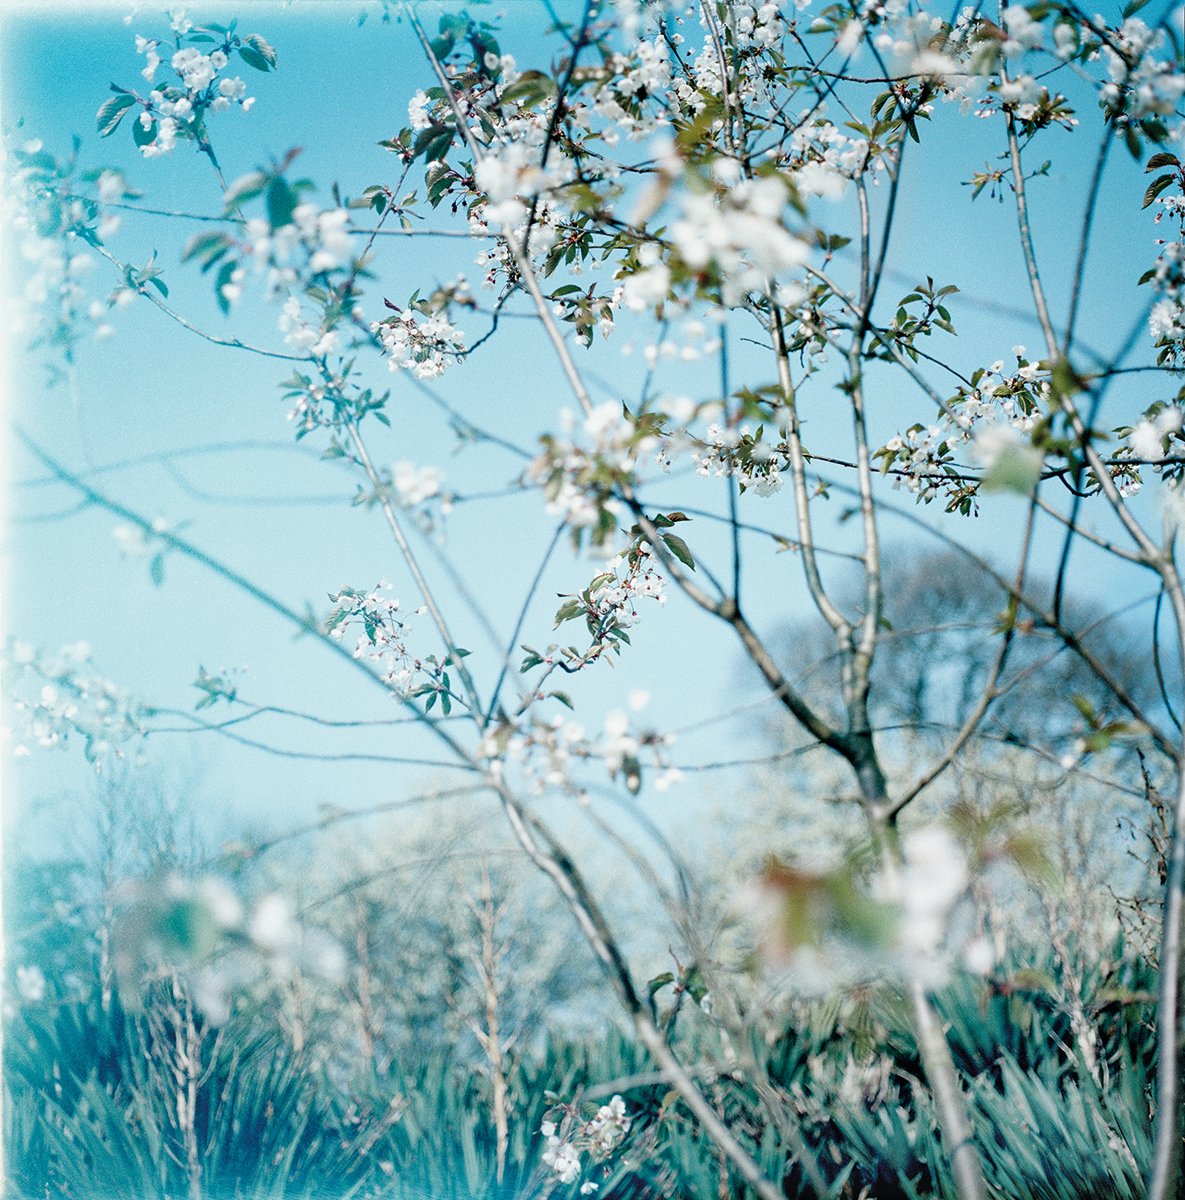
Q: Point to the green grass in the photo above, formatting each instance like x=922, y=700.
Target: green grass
x=90, y=1109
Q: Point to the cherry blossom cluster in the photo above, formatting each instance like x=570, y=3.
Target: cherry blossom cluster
x=993, y=419
x=627, y=578
x=424, y=344
x=734, y=50
x=546, y=751
x=178, y=109
x=668, y=75
x=621, y=745
x=1151, y=438
x=1166, y=320
x=414, y=485
x=309, y=336
x=569, y=1136
x=737, y=451
x=737, y=233
x=297, y=245
x=824, y=157
x=729, y=230
x=755, y=452
x=512, y=217
x=514, y=191
x=54, y=215
x=381, y=635
x=60, y=696
x=958, y=62
x=420, y=491
x=543, y=750
x=642, y=75
x=920, y=457
x=31, y=984
x=677, y=415
x=580, y=481
x=511, y=174
x=321, y=236
x=1146, y=79
x=1157, y=436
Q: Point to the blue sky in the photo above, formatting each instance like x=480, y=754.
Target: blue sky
x=269, y=508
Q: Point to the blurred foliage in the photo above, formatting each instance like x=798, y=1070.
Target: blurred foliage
x=92, y=1096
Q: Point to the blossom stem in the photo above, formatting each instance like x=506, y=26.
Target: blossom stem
x=426, y=593
x=806, y=537
x=549, y=857
x=989, y=692
x=304, y=623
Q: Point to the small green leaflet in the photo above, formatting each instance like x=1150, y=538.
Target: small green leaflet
x=111, y=112
x=246, y=188
x=142, y=136
x=569, y=610
x=257, y=53
x=1154, y=188
x=678, y=547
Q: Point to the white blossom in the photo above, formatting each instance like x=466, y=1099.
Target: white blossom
x=195, y=68
x=414, y=485
x=271, y=925
x=30, y=983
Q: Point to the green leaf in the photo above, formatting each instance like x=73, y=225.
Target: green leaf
x=208, y=248
x=453, y=25
x=659, y=982
x=694, y=985
x=223, y=278
x=244, y=189
x=1115, y=996
x=678, y=547
x=281, y=203
x=632, y=770
x=254, y=59
x=111, y=112
x=1162, y=158
x=1066, y=381
x=261, y=47
x=434, y=142
x=529, y=89
x=568, y=611
x=564, y=699
x=1033, y=979
x=1016, y=469
x=1155, y=188
x=142, y=136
